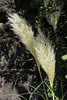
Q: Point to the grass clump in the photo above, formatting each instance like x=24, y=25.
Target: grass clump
x=39, y=46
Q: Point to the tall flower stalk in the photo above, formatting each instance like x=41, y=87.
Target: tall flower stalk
x=39, y=46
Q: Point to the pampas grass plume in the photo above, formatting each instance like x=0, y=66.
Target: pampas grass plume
x=45, y=55
x=24, y=31
x=39, y=46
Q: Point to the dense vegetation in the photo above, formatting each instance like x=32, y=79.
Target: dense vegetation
x=18, y=67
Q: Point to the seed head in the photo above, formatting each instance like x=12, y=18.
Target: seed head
x=45, y=55
x=23, y=30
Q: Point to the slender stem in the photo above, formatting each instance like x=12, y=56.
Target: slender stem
x=52, y=94
x=38, y=65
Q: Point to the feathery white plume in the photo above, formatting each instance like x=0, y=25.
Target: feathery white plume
x=45, y=55
x=24, y=31
x=39, y=46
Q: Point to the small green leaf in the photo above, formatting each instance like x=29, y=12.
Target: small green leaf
x=64, y=57
x=66, y=37
x=66, y=77
x=49, y=94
